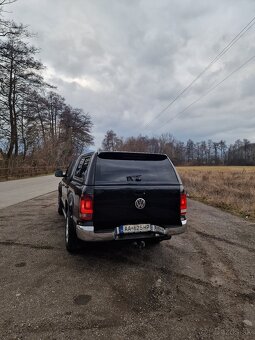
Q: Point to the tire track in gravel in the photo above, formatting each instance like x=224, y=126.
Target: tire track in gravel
x=221, y=268
x=210, y=291
x=220, y=239
x=225, y=274
x=223, y=278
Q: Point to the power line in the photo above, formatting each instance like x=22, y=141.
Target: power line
x=212, y=88
x=225, y=50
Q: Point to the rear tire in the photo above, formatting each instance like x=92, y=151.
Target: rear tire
x=60, y=206
x=70, y=234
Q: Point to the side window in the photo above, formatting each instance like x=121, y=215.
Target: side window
x=82, y=167
x=85, y=166
x=70, y=168
x=78, y=171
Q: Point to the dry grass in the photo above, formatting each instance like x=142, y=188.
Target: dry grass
x=229, y=188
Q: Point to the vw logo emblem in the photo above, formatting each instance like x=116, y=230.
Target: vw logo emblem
x=140, y=203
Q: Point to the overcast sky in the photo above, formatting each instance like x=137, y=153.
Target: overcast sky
x=124, y=61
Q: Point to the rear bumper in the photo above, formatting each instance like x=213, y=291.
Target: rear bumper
x=87, y=233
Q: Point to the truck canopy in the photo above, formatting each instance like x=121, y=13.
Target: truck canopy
x=122, y=178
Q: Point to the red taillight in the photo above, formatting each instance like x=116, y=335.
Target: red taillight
x=86, y=207
x=183, y=204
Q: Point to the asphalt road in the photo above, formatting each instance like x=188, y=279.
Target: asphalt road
x=12, y=192
x=199, y=285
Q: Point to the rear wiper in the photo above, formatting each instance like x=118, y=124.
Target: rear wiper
x=136, y=178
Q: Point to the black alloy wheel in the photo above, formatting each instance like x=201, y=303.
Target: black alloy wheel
x=60, y=205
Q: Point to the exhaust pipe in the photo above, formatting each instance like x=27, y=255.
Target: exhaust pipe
x=139, y=244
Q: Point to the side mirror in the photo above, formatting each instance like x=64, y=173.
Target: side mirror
x=59, y=173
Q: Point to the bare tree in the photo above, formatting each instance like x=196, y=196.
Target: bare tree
x=223, y=148
x=111, y=141
x=75, y=132
x=19, y=74
x=35, y=121
x=6, y=27
x=190, y=150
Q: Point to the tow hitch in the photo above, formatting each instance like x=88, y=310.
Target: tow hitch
x=139, y=244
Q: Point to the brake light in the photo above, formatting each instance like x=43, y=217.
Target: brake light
x=183, y=204
x=86, y=207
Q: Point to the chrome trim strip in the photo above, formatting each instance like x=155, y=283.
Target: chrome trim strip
x=87, y=233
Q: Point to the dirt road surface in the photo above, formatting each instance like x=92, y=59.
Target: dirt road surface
x=200, y=285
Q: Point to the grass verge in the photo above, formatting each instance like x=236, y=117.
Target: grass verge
x=229, y=188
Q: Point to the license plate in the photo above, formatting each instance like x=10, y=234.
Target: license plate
x=139, y=228
x=134, y=228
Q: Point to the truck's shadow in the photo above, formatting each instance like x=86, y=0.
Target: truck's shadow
x=123, y=252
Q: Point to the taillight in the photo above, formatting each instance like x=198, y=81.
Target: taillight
x=86, y=207
x=183, y=204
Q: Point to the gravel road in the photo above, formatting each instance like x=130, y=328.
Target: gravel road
x=199, y=285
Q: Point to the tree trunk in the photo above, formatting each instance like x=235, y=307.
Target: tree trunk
x=16, y=145
x=42, y=127
x=12, y=140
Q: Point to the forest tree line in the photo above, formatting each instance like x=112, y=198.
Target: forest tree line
x=36, y=123
x=241, y=152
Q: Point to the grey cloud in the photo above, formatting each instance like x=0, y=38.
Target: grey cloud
x=140, y=54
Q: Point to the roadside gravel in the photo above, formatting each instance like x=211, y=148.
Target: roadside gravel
x=199, y=285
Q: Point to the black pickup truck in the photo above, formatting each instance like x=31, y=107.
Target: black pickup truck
x=121, y=196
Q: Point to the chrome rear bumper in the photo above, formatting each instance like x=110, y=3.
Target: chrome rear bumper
x=87, y=233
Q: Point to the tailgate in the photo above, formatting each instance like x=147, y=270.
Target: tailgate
x=115, y=205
